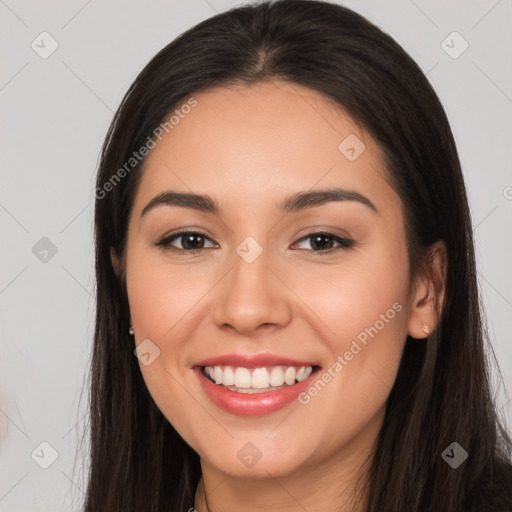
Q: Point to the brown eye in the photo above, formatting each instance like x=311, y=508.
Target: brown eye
x=190, y=241
x=323, y=242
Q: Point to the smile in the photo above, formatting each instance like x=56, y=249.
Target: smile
x=254, y=380
x=254, y=391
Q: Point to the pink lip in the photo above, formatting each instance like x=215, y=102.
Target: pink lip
x=255, y=404
x=255, y=361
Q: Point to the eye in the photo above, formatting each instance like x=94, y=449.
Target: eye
x=322, y=242
x=191, y=241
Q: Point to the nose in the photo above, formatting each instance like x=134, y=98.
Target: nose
x=252, y=297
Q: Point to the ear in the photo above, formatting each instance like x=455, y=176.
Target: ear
x=115, y=262
x=428, y=293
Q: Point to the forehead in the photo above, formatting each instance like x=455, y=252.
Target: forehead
x=243, y=143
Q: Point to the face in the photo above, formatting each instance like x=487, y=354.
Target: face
x=321, y=283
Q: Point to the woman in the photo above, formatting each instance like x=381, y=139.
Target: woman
x=287, y=307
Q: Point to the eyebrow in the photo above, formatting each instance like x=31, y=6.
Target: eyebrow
x=296, y=202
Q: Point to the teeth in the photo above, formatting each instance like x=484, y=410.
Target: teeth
x=240, y=378
x=228, y=376
x=276, y=377
x=289, y=375
x=260, y=378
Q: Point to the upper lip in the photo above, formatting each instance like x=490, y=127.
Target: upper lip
x=252, y=361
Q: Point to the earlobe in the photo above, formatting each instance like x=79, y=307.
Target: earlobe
x=421, y=316
x=428, y=299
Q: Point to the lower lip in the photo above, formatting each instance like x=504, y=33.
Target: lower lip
x=251, y=404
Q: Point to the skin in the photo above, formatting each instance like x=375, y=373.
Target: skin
x=249, y=147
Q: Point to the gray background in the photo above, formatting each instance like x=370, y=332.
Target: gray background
x=54, y=114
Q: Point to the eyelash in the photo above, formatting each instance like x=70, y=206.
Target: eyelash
x=344, y=243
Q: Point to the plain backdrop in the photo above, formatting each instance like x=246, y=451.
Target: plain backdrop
x=54, y=113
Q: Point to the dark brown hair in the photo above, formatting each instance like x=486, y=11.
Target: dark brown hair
x=442, y=393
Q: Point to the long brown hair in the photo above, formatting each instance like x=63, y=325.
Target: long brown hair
x=442, y=393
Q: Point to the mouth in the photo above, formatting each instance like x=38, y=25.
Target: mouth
x=254, y=391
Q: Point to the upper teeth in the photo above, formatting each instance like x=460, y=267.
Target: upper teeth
x=258, y=378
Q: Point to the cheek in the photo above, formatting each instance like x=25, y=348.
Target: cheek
x=367, y=288
x=160, y=294
x=155, y=309
x=163, y=299
x=360, y=308
x=366, y=316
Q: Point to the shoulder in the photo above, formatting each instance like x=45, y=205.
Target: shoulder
x=493, y=492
